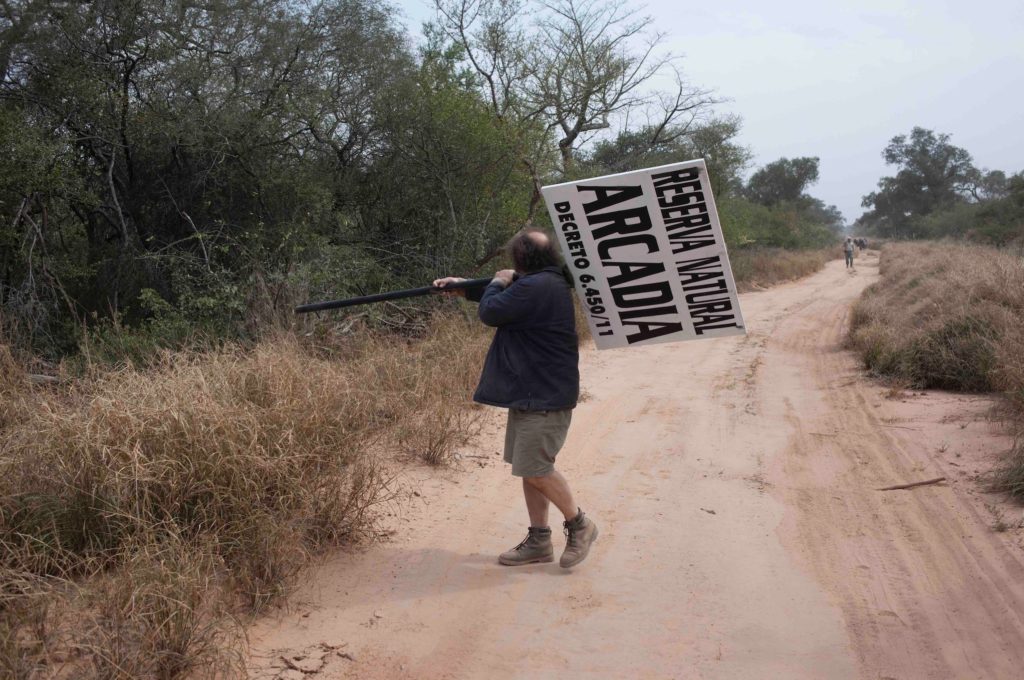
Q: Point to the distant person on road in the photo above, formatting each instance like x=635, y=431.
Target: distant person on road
x=848, y=249
x=532, y=370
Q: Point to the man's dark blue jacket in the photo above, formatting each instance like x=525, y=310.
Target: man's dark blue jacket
x=533, y=361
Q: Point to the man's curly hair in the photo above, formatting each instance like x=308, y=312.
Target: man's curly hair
x=530, y=253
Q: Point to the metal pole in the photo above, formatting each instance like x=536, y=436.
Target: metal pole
x=393, y=295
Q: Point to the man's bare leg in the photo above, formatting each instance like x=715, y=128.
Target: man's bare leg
x=537, y=546
x=580, y=530
x=536, y=504
x=554, y=488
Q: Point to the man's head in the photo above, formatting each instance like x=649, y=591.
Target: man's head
x=531, y=250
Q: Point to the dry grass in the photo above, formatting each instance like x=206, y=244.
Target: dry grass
x=140, y=508
x=763, y=267
x=1009, y=476
x=12, y=389
x=949, y=316
x=945, y=316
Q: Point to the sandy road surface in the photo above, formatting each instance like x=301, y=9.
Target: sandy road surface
x=741, y=533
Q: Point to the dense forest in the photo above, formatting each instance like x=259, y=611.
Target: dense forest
x=173, y=167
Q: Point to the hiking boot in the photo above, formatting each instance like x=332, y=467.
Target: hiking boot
x=536, y=547
x=580, y=532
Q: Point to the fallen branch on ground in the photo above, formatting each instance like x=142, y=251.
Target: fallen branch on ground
x=913, y=484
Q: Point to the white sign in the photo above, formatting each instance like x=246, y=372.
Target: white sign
x=647, y=254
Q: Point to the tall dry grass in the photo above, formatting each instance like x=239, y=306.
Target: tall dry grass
x=756, y=268
x=944, y=315
x=12, y=377
x=949, y=316
x=141, y=509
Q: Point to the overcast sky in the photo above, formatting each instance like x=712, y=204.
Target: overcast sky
x=837, y=80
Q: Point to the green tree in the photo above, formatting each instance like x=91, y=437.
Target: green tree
x=774, y=208
x=211, y=147
x=1001, y=219
x=576, y=68
x=713, y=140
x=452, y=174
x=988, y=185
x=808, y=223
x=932, y=174
x=782, y=180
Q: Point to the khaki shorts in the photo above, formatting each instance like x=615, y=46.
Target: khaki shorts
x=533, y=439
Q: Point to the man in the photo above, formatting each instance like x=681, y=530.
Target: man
x=848, y=249
x=532, y=370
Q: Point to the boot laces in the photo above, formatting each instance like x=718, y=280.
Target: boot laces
x=529, y=535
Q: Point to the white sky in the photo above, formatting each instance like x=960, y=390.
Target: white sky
x=837, y=80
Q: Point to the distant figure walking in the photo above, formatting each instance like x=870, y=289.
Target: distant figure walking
x=848, y=249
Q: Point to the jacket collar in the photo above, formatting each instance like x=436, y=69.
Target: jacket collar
x=552, y=270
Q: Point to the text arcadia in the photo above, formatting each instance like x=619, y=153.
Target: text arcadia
x=629, y=253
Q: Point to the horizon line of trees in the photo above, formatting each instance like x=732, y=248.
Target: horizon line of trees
x=174, y=167
x=938, y=192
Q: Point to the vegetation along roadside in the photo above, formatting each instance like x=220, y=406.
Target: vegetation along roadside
x=143, y=511
x=949, y=316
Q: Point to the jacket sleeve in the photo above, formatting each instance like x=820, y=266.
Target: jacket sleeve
x=501, y=306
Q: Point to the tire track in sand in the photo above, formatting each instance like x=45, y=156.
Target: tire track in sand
x=926, y=588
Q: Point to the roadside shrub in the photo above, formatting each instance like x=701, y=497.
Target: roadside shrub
x=1009, y=368
x=793, y=225
x=140, y=508
x=12, y=386
x=949, y=316
x=152, y=617
x=756, y=268
x=1009, y=476
x=207, y=444
x=942, y=316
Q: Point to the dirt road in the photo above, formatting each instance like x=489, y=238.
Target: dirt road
x=742, y=535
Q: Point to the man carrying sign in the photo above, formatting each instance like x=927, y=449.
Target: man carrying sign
x=532, y=370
